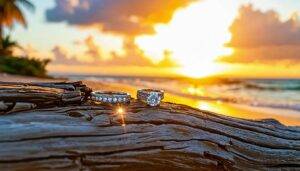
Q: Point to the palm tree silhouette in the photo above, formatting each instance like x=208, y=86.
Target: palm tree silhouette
x=10, y=12
x=8, y=46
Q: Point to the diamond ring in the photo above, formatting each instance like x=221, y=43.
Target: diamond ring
x=111, y=97
x=150, y=96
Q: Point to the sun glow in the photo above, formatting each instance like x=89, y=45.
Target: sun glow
x=195, y=37
x=121, y=112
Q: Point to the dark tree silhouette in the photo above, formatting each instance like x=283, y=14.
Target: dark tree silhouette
x=10, y=12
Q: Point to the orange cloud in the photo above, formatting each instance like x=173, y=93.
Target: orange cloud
x=92, y=55
x=254, y=28
x=31, y=51
x=61, y=56
x=262, y=37
x=92, y=49
x=127, y=17
x=133, y=56
x=264, y=54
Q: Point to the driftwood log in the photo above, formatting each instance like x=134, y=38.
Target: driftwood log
x=22, y=96
x=63, y=130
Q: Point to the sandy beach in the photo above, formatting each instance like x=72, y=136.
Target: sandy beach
x=229, y=109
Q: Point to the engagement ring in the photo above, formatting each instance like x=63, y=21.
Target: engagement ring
x=111, y=97
x=150, y=96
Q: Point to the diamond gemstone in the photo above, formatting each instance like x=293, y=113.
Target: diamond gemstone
x=153, y=99
x=115, y=99
x=109, y=99
x=104, y=99
x=119, y=99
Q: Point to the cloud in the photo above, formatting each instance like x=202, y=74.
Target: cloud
x=254, y=28
x=126, y=17
x=264, y=54
x=62, y=57
x=30, y=51
x=93, y=49
x=133, y=56
x=91, y=55
x=167, y=60
x=261, y=37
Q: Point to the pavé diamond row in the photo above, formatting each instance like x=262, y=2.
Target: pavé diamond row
x=112, y=97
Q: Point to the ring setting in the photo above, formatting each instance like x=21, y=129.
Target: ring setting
x=150, y=96
x=110, y=97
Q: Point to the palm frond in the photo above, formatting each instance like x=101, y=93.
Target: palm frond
x=7, y=42
x=27, y=4
x=10, y=11
x=7, y=17
x=18, y=15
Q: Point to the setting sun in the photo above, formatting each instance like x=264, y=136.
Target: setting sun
x=195, y=37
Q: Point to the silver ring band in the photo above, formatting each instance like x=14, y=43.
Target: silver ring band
x=150, y=96
x=110, y=97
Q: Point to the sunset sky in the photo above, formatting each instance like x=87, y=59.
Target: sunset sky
x=196, y=38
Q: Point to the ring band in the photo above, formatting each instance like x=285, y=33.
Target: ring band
x=150, y=96
x=110, y=97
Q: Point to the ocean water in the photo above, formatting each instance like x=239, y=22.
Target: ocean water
x=267, y=93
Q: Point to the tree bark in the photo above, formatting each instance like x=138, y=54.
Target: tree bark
x=91, y=136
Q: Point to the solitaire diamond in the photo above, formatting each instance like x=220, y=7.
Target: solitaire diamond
x=153, y=99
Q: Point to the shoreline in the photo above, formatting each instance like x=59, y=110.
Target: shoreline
x=223, y=108
x=229, y=109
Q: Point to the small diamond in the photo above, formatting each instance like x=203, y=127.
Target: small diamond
x=100, y=98
x=124, y=99
x=153, y=99
x=119, y=99
x=104, y=99
x=109, y=99
x=115, y=99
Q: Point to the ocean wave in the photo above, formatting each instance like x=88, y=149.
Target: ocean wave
x=278, y=94
x=287, y=106
x=271, y=87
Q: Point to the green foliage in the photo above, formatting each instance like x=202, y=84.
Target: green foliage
x=24, y=66
x=8, y=45
x=10, y=12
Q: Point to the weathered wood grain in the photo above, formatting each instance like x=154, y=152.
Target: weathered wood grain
x=24, y=96
x=91, y=136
